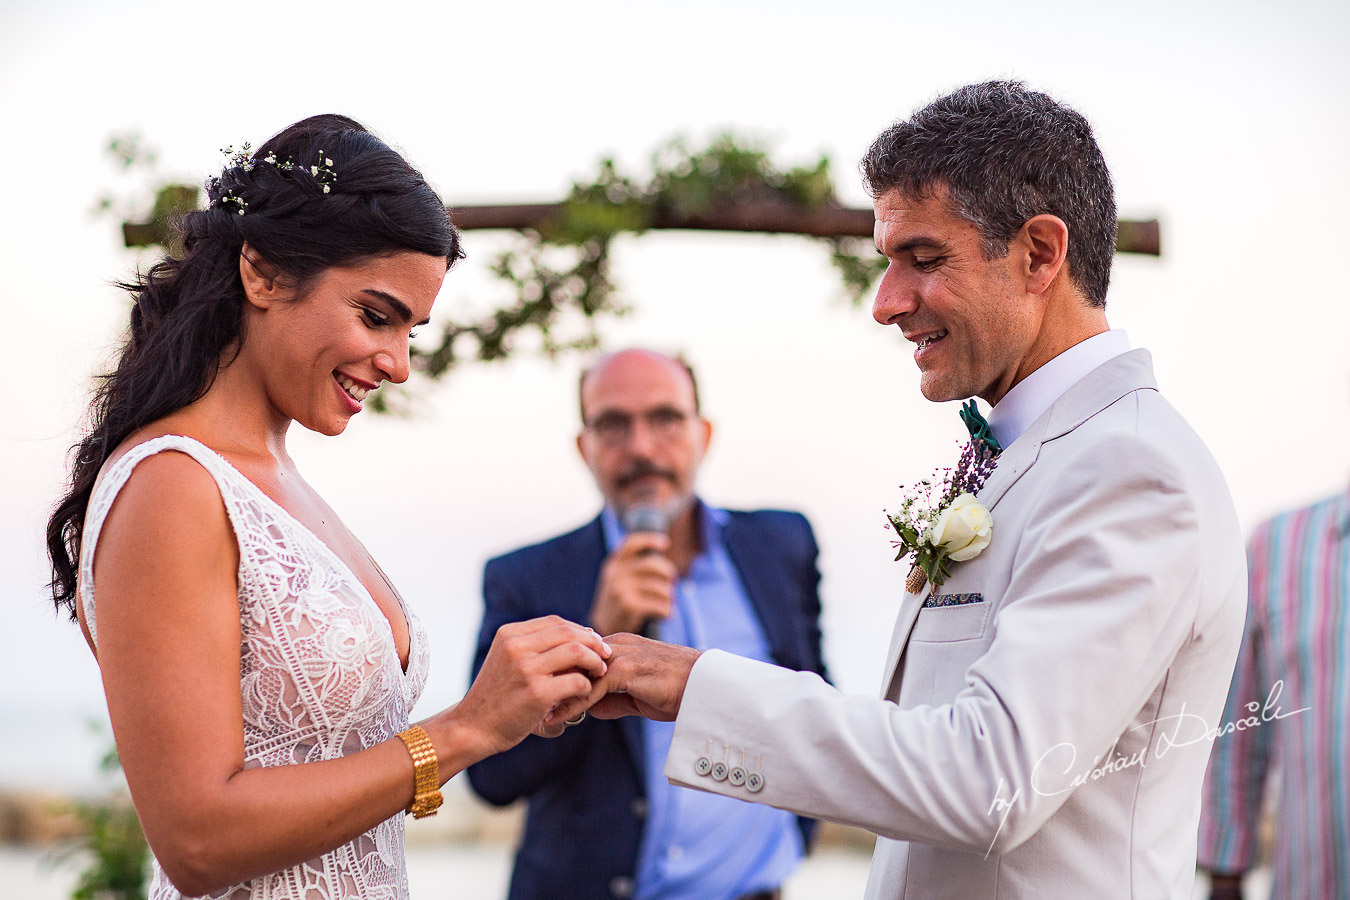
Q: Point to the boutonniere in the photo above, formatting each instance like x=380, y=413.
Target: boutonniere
x=941, y=521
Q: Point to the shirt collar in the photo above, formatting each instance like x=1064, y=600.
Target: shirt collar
x=1034, y=394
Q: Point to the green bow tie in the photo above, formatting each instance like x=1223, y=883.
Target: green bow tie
x=978, y=427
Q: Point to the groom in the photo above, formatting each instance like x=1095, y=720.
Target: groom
x=1043, y=726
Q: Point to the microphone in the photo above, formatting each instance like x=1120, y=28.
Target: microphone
x=646, y=518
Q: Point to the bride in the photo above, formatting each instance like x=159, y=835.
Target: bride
x=258, y=665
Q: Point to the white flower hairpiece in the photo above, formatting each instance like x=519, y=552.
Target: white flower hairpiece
x=322, y=172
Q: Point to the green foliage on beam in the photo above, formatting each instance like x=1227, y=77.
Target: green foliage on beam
x=561, y=268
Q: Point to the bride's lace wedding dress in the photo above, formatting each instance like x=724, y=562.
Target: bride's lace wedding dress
x=320, y=676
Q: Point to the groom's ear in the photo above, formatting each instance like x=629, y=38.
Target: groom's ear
x=1042, y=245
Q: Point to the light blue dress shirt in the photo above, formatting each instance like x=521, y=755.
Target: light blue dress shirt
x=696, y=845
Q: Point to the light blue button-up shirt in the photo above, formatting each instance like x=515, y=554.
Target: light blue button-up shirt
x=698, y=845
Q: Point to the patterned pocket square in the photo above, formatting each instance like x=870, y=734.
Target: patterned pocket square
x=935, y=600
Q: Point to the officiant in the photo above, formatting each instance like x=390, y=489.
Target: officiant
x=658, y=560
x=1077, y=584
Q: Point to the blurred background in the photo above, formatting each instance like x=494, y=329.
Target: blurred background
x=1227, y=122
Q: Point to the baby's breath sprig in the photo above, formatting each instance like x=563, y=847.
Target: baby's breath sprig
x=282, y=165
x=323, y=172
x=232, y=199
x=241, y=158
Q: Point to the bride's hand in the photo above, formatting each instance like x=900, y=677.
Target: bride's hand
x=533, y=675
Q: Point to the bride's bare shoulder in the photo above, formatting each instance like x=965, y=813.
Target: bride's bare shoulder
x=169, y=494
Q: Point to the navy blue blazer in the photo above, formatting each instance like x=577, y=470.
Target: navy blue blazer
x=587, y=788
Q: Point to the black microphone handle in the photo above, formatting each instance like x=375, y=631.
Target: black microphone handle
x=644, y=518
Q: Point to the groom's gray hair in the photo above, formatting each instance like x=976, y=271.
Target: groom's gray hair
x=1004, y=154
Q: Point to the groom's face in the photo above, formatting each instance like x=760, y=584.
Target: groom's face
x=968, y=319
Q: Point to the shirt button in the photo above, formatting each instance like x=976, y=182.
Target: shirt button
x=674, y=852
x=622, y=886
x=638, y=808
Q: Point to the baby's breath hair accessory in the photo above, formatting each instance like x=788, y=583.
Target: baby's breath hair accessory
x=323, y=172
x=243, y=160
x=230, y=198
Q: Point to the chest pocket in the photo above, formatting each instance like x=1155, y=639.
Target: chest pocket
x=947, y=624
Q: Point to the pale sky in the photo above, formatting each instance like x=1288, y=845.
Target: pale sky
x=1228, y=122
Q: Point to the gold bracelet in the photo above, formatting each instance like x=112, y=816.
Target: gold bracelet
x=426, y=772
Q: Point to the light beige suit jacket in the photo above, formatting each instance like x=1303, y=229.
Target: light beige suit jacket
x=1044, y=733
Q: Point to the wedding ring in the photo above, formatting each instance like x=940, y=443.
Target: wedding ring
x=578, y=720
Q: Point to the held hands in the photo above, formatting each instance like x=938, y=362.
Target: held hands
x=637, y=583
x=537, y=674
x=540, y=673
x=645, y=678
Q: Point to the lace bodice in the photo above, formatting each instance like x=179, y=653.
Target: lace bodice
x=320, y=675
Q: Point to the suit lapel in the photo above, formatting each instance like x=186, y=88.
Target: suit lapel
x=1096, y=391
x=904, y=624
x=1103, y=386
x=1013, y=463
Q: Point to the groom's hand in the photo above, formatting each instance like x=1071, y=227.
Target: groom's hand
x=645, y=678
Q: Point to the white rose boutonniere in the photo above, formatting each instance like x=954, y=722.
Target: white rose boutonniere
x=955, y=528
x=963, y=529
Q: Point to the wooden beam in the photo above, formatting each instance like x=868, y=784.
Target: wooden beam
x=771, y=217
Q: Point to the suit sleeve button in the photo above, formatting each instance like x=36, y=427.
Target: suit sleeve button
x=754, y=782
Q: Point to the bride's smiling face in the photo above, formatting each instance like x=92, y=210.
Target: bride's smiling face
x=319, y=354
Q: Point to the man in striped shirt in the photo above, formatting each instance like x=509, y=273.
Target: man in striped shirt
x=1288, y=708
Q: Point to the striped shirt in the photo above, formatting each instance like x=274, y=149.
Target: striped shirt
x=1289, y=710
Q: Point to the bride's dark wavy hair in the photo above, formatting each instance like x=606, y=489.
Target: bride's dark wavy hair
x=188, y=312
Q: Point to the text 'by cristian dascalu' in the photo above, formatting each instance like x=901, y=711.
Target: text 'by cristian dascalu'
x=1179, y=730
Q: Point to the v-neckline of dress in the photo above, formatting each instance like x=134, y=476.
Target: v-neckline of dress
x=404, y=667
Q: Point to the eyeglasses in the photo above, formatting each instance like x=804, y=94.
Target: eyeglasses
x=664, y=424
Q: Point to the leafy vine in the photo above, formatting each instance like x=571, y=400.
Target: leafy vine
x=563, y=266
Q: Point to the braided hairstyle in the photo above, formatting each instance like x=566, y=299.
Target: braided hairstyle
x=324, y=192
